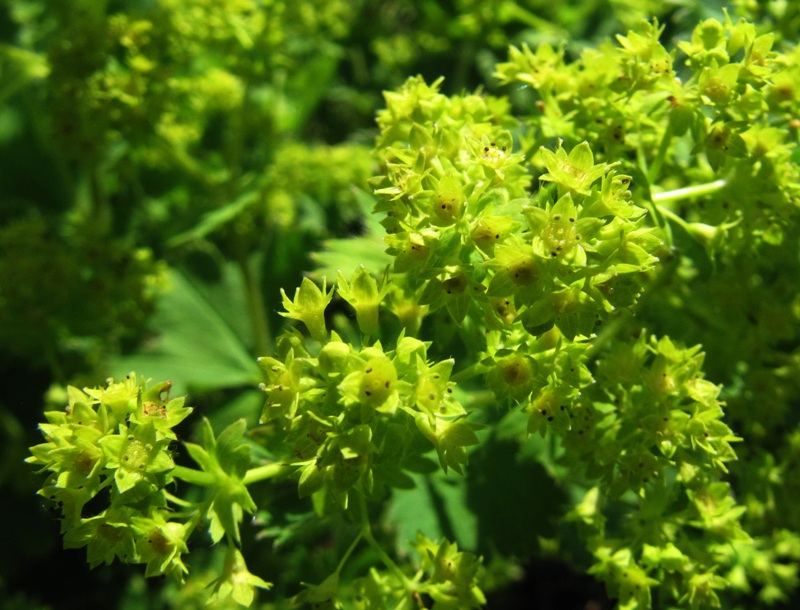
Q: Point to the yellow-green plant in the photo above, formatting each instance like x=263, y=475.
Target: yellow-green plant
x=597, y=269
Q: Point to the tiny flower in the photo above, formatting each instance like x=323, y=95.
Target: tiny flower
x=487, y=231
x=574, y=172
x=288, y=382
x=309, y=307
x=226, y=458
x=105, y=537
x=136, y=455
x=450, y=437
x=236, y=581
x=448, y=200
x=365, y=296
x=160, y=544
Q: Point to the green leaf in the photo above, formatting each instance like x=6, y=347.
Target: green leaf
x=233, y=452
x=311, y=480
x=236, y=581
x=346, y=254
x=217, y=218
x=197, y=346
x=515, y=500
x=437, y=506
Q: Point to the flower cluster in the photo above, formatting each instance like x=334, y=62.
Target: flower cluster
x=109, y=462
x=347, y=412
x=446, y=579
x=653, y=425
x=722, y=119
x=545, y=280
x=115, y=441
x=552, y=260
x=469, y=238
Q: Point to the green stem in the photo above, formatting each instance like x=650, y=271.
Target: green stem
x=610, y=331
x=471, y=371
x=196, y=477
x=196, y=517
x=234, y=148
x=655, y=166
x=466, y=60
x=262, y=473
x=666, y=212
x=366, y=532
x=255, y=303
x=686, y=193
x=347, y=554
x=178, y=501
x=101, y=211
x=530, y=19
x=623, y=319
x=186, y=163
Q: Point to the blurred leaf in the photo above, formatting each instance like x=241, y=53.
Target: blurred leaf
x=346, y=255
x=196, y=347
x=18, y=68
x=436, y=506
x=215, y=219
x=246, y=405
x=306, y=87
x=513, y=499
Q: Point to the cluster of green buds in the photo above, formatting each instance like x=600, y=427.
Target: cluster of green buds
x=663, y=415
x=110, y=463
x=652, y=425
x=446, y=579
x=346, y=412
x=720, y=114
x=532, y=279
x=538, y=282
x=116, y=441
x=470, y=239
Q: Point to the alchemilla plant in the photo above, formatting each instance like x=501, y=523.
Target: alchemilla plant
x=567, y=325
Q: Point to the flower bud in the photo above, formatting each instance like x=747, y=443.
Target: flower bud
x=379, y=381
x=309, y=307
x=448, y=203
x=364, y=295
x=333, y=358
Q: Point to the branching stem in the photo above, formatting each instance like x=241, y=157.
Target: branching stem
x=193, y=476
x=262, y=473
x=699, y=190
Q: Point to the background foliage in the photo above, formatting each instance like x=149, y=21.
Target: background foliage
x=168, y=167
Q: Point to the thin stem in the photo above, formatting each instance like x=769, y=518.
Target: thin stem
x=466, y=60
x=655, y=166
x=607, y=334
x=530, y=19
x=186, y=163
x=471, y=371
x=687, y=192
x=262, y=473
x=347, y=553
x=255, y=303
x=613, y=329
x=671, y=215
x=196, y=477
x=195, y=518
x=101, y=212
x=366, y=532
x=178, y=501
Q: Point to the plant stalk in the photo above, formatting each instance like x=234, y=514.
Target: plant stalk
x=699, y=190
